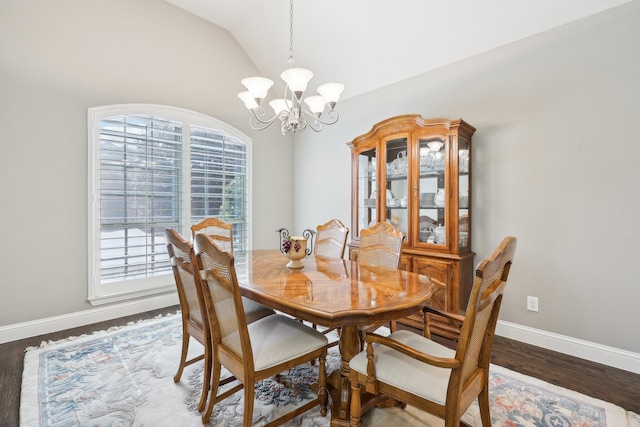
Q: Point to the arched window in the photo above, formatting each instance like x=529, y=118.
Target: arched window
x=152, y=167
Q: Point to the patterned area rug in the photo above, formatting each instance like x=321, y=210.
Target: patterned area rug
x=124, y=377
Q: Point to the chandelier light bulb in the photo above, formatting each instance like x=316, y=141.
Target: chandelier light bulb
x=280, y=106
x=331, y=92
x=316, y=104
x=258, y=87
x=249, y=101
x=297, y=79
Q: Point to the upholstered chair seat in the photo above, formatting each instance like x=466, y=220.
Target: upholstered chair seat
x=416, y=377
x=276, y=339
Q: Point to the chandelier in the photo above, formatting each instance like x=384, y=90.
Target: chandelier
x=292, y=114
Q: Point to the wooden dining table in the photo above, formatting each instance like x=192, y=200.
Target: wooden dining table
x=334, y=293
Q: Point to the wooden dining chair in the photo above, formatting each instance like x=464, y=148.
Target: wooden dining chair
x=192, y=307
x=194, y=323
x=220, y=231
x=252, y=352
x=420, y=372
x=381, y=245
x=331, y=239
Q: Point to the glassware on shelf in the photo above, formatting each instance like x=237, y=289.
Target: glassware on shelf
x=464, y=200
x=463, y=161
x=401, y=165
x=372, y=168
x=431, y=156
x=439, y=198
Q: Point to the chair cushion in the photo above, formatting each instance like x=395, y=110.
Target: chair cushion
x=403, y=372
x=254, y=310
x=278, y=338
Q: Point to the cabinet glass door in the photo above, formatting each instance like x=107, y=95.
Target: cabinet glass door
x=367, y=189
x=430, y=191
x=396, y=198
x=463, y=196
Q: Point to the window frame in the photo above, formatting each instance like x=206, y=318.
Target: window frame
x=99, y=293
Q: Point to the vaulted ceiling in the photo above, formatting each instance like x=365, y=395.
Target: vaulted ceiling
x=368, y=44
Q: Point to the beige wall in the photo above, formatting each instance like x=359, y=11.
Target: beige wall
x=555, y=162
x=56, y=60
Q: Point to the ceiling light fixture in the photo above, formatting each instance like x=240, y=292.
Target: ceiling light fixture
x=289, y=110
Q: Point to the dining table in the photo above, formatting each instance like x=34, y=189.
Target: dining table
x=333, y=293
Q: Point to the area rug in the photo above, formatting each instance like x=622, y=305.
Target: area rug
x=124, y=377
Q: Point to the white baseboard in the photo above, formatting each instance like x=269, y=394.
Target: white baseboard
x=598, y=353
x=99, y=314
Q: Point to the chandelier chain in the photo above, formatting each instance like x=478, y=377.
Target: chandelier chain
x=291, y=60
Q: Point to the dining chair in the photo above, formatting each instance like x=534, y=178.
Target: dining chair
x=194, y=324
x=220, y=231
x=252, y=352
x=331, y=239
x=192, y=307
x=381, y=246
x=420, y=372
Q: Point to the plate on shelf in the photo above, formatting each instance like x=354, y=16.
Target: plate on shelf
x=427, y=222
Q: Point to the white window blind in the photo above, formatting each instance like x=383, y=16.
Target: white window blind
x=153, y=167
x=219, y=181
x=140, y=191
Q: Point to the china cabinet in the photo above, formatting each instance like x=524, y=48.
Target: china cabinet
x=416, y=174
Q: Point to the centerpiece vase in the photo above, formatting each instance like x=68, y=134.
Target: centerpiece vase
x=297, y=251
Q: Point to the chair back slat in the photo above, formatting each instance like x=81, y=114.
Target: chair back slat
x=220, y=231
x=192, y=297
x=331, y=239
x=381, y=245
x=189, y=292
x=475, y=342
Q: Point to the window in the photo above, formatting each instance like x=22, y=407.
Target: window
x=152, y=167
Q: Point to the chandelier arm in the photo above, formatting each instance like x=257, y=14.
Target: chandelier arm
x=257, y=123
x=309, y=120
x=331, y=117
x=302, y=125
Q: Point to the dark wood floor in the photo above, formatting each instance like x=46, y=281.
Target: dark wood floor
x=619, y=387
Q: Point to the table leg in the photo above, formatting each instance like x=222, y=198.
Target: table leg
x=340, y=388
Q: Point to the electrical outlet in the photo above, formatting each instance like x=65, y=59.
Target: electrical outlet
x=532, y=304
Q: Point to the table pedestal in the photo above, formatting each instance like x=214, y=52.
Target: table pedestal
x=339, y=386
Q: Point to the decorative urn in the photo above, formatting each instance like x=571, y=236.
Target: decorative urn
x=295, y=248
